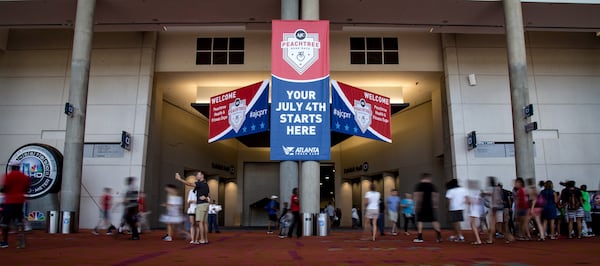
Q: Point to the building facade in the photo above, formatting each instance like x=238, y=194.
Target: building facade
x=454, y=76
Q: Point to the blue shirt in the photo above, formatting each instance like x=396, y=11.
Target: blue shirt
x=393, y=202
x=272, y=207
x=409, y=206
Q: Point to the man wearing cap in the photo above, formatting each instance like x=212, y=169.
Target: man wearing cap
x=272, y=209
x=14, y=185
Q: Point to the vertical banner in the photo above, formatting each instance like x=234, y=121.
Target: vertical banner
x=239, y=112
x=360, y=113
x=300, y=123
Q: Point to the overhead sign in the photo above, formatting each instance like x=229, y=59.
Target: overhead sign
x=239, y=112
x=300, y=123
x=360, y=113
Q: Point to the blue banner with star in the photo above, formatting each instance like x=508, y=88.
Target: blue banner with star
x=239, y=112
x=360, y=113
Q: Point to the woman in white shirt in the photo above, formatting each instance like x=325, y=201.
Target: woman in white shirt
x=191, y=212
x=372, y=210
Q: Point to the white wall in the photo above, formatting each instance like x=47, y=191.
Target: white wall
x=564, y=73
x=34, y=82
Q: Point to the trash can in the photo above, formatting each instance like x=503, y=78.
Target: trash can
x=68, y=222
x=307, y=224
x=322, y=224
x=52, y=222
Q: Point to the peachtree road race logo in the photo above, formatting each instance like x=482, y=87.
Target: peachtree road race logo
x=300, y=49
x=237, y=114
x=300, y=151
x=40, y=165
x=363, y=114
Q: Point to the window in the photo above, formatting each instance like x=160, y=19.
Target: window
x=219, y=51
x=373, y=51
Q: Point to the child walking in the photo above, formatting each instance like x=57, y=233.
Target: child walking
x=173, y=216
x=105, y=205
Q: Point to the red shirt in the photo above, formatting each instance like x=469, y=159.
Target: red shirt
x=295, y=206
x=522, y=202
x=16, y=185
x=106, y=199
x=141, y=204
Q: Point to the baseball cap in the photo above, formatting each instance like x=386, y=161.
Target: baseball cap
x=274, y=197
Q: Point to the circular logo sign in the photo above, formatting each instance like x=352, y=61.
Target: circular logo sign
x=41, y=163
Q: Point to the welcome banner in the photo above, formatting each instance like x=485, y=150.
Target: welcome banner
x=239, y=112
x=300, y=123
x=360, y=113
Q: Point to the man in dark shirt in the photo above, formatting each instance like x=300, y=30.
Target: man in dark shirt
x=202, y=192
x=15, y=185
x=426, y=205
x=572, y=199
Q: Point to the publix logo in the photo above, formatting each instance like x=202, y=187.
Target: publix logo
x=43, y=164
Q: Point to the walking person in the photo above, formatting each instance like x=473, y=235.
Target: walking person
x=172, y=216
x=372, y=198
x=131, y=210
x=522, y=209
x=572, y=199
x=295, y=209
x=202, y=192
x=474, y=201
x=105, y=206
x=272, y=209
x=381, y=217
x=285, y=220
x=496, y=210
x=355, y=217
x=15, y=185
x=408, y=212
x=549, y=211
x=191, y=212
x=426, y=203
x=537, y=206
x=213, y=211
x=393, y=202
x=457, y=202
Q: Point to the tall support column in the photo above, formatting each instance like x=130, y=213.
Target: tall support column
x=290, y=9
x=310, y=190
x=288, y=170
x=78, y=92
x=389, y=183
x=519, y=89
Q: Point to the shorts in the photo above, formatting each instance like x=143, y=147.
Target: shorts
x=104, y=214
x=572, y=214
x=10, y=213
x=273, y=217
x=201, y=212
x=505, y=215
x=456, y=216
x=498, y=214
x=587, y=216
x=537, y=211
x=522, y=212
x=426, y=216
x=372, y=213
x=393, y=216
x=191, y=214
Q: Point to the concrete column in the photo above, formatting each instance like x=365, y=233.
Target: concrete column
x=389, y=183
x=310, y=9
x=519, y=89
x=288, y=180
x=343, y=201
x=365, y=183
x=310, y=190
x=75, y=131
x=290, y=9
x=288, y=170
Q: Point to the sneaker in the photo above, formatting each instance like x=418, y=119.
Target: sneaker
x=269, y=232
x=461, y=239
x=167, y=238
x=282, y=236
x=109, y=233
x=3, y=244
x=135, y=238
x=95, y=232
x=418, y=240
x=452, y=238
x=394, y=233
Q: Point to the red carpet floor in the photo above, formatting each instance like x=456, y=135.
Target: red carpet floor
x=253, y=247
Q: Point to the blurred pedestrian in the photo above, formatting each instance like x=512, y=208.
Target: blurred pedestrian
x=15, y=185
x=426, y=203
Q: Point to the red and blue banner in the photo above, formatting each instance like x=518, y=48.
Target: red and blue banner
x=239, y=112
x=360, y=113
x=300, y=111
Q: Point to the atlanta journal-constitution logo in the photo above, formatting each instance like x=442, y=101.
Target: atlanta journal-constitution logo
x=41, y=164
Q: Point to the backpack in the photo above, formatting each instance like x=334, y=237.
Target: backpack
x=573, y=202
